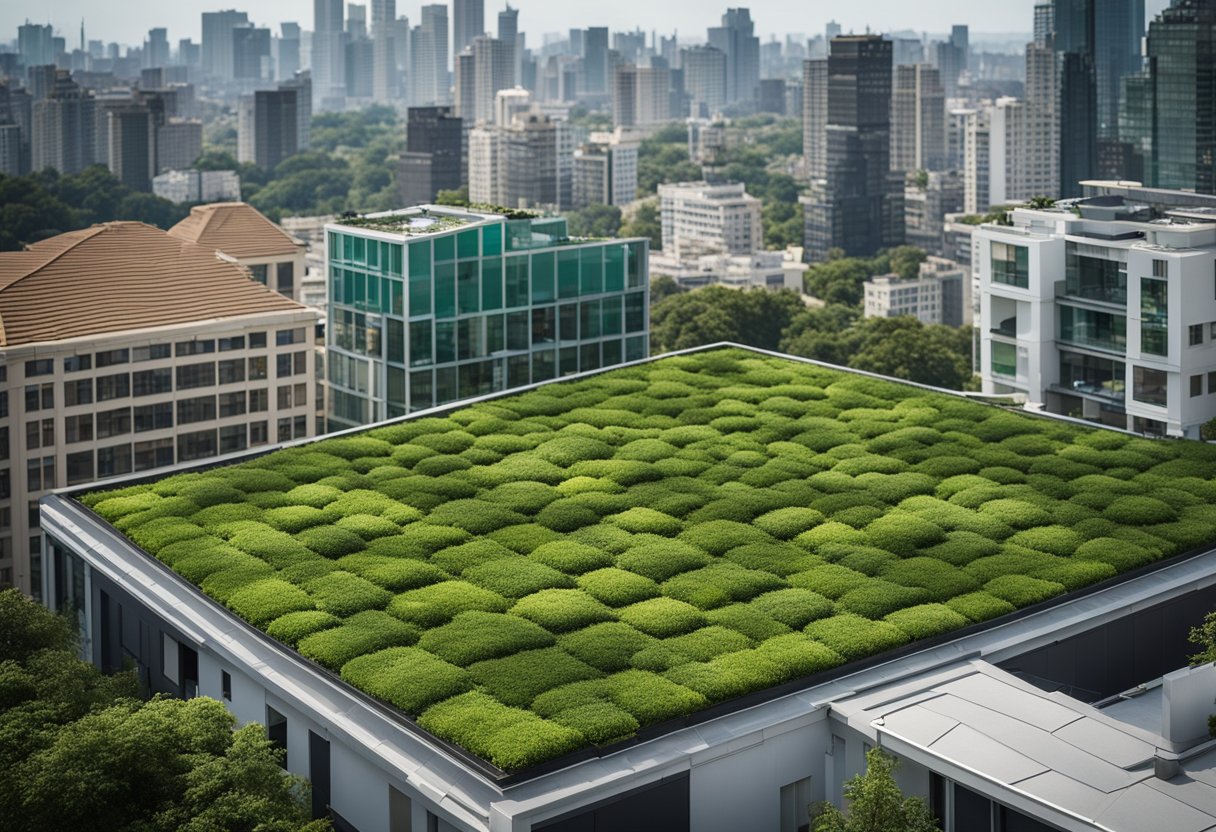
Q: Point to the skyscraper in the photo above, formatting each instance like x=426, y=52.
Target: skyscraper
x=491, y=73
x=218, y=41
x=858, y=207
x=384, y=53
x=952, y=59
x=1076, y=80
x=815, y=117
x=1182, y=66
x=736, y=38
x=918, y=119
x=1118, y=31
x=704, y=79
x=468, y=22
x=595, y=60
x=64, y=128
x=156, y=48
x=132, y=157
x=250, y=53
x=328, y=56
x=508, y=33
x=289, y=50
x=429, y=56
x=268, y=126
x=431, y=162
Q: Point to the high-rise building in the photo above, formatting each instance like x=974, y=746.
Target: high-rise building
x=641, y=95
x=156, y=48
x=1042, y=142
x=704, y=70
x=468, y=23
x=16, y=110
x=1076, y=81
x=464, y=86
x=179, y=143
x=952, y=59
x=508, y=33
x=132, y=146
x=1118, y=34
x=328, y=60
x=699, y=218
x=491, y=72
x=161, y=356
x=606, y=170
x=64, y=130
x=596, y=71
x=928, y=197
x=1182, y=67
x=217, y=55
x=918, y=119
x=12, y=150
x=429, y=57
x=35, y=44
x=356, y=21
x=288, y=63
x=977, y=173
x=432, y=159
x=532, y=305
x=815, y=117
x=251, y=54
x=736, y=39
x=359, y=69
x=384, y=52
x=268, y=126
x=858, y=206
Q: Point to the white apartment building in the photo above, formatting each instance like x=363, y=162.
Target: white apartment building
x=699, y=218
x=606, y=170
x=154, y=352
x=1104, y=308
x=761, y=269
x=197, y=185
x=939, y=294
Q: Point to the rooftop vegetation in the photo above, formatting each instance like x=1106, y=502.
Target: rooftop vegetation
x=560, y=568
x=411, y=224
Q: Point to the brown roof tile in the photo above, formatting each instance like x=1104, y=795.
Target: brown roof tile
x=120, y=276
x=237, y=229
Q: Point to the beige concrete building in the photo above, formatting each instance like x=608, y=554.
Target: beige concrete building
x=125, y=349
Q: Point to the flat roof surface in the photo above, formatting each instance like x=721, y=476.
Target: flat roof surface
x=559, y=568
x=1045, y=747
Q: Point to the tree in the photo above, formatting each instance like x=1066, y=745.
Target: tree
x=645, y=223
x=79, y=750
x=594, y=221
x=663, y=287
x=753, y=317
x=876, y=803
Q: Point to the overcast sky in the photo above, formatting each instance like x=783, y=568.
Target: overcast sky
x=127, y=21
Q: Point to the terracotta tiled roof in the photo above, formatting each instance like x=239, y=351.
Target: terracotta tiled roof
x=120, y=276
x=236, y=229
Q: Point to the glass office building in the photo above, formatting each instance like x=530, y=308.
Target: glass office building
x=431, y=306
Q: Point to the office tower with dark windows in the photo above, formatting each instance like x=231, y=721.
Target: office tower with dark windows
x=288, y=63
x=1182, y=67
x=156, y=48
x=432, y=159
x=328, y=56
x=858, y=206
x=268, y=126
x=1076, y=81
x=468, y=22
x=64, y=128
x=736, y=38
x=132, y=146
x=218, y=61
x=384, y=53
x=595, y=60
x=251, y=54
x=918, y=119
x=508, y=33
x=952, y=59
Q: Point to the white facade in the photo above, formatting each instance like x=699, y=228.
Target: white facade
x=198, y=185
x=938, y=295
x=699, y=218
x=483, y=165
x=1107, y=318
x=762, y=269
x=606, y=170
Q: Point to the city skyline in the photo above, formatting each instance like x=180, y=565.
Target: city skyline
x=538, y=17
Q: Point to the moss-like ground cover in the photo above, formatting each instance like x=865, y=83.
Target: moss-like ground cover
x=562, y=567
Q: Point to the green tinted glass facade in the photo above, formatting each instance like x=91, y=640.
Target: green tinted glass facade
x=417, y=321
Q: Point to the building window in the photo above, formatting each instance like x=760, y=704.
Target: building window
x=77, y=363
x=284, y=397
x=1154, y=314
x=232, y=372
x=114, y=422
x=276, y=732
x=78, y=428
x=259, y=433
x=259, y=400
x=282, y=366
x=39, y=367
x=1161, y=268
x=230, y=344
x=152, y=382
x=226, y=685
x=285, y=279
x=1004, y=359
x=1195, y=335
x=258, y=273
x=1011, y=265
x=257, y=340
x=200, y=409
x=233, y=438
x=198, y=445
x=1211, y=383
x=112, y=358
x=78, y=392
x=1150, y=386
x=39, y=397
x=194, y=347
x=152, y=352
x=285, y=337
x=80, y=467
x=40, y=474
x=285, y=429
x=113, y=387
x=232, y=404
x=153, y=417
x=114, y=461
x=155, y=454
x=1196, y=386
x=39, y=434
x=193, y=376
x=257, y=368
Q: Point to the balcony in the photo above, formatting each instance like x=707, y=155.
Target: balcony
x=1007, y=328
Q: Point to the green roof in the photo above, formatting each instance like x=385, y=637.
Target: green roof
x=560, y=568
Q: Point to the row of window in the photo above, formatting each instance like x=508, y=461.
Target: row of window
x=153, y=352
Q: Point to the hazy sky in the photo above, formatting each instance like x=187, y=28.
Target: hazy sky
x=127, y=21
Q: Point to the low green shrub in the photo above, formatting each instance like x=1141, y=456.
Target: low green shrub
x=980, y=606
x=331, y=541
x=1074, y=574
x=362, y=633
x=662, y=617
x=515, y=577
x=865, y=559
x=566, y=515
x=616, y=587
x=197, y=565
x=648, y=521
x=479, y=551
x=395, y=574
x=609, y=646
x=436, y=604
x=293, y=626
x=1140, y=511
x=729, y=676
x=277, y=548
x=476, y=636
x=345, y=594
x=262, y=601
x=409, y=678
x=477, y=517
x=829, y=579
x=418, y=540
x=510, y=738
x=660, y=561
x=1011, y=560
x=1122, y=555
x=961, y=547
x=369, y=526
x=793, y=607
x=214, y=516
x=162, y=531
x=942, y=580
x=787, y=523
x=571, y=557
x=519, y=678
x=926, y=620
x=562, y=610
x=876, y=598
x=316, y=496
x=221, y=585
x=903, y=533
x=719, y=584
x=828, y=533
x=855, y=637
x=720, y=536
x=1055, y=540
x=1022, y=590
x=294, y=519
x=600, y=723
x=608, y=538
x=1016, y=513
x=747, y=619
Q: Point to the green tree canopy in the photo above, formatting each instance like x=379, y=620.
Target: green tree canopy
x=754, y=317
x=645, y=223
x=876, y=803
x=841, y=279
x=594, y=221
